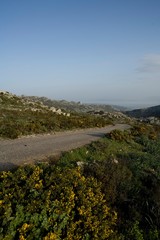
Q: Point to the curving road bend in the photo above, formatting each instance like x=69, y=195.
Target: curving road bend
x=34, y=148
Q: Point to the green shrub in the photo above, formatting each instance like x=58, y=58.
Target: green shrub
x=52, y=203
x=119, y=135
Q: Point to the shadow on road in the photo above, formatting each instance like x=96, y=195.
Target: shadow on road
x=96, y=134
x=7, y=166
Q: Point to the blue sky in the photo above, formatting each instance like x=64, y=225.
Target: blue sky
x=97, y=51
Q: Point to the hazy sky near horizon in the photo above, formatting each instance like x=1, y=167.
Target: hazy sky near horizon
x=97, y=51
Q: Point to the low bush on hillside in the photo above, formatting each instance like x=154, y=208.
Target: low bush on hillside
x=119, y=135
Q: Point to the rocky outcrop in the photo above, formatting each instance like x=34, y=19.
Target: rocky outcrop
x=12, y=102
x=72, y=106
x=112, y=115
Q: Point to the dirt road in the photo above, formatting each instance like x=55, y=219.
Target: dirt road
x=33, y=148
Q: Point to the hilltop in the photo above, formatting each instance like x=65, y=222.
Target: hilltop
x=12, y=102
x=145, y=112
x=150, y=114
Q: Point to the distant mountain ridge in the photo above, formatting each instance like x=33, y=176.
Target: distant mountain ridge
x=144, y=112
x=73, y=106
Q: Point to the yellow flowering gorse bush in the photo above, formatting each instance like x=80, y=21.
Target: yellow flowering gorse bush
x=38, y=203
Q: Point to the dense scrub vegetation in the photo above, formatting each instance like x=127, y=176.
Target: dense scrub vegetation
x=15, y=123
x=109, y=189
x=49, y=203
x=18, y=117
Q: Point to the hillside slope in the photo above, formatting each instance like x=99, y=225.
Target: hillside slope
x=71, y=106
x=145, y=112
x=20, y=116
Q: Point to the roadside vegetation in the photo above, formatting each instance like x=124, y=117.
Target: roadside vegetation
x=14, y=123
x=109, y=189
x=19, y=117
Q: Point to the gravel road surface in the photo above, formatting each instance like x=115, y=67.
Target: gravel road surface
x=34, y=148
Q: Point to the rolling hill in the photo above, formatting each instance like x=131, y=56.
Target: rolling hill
x=145, y=112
